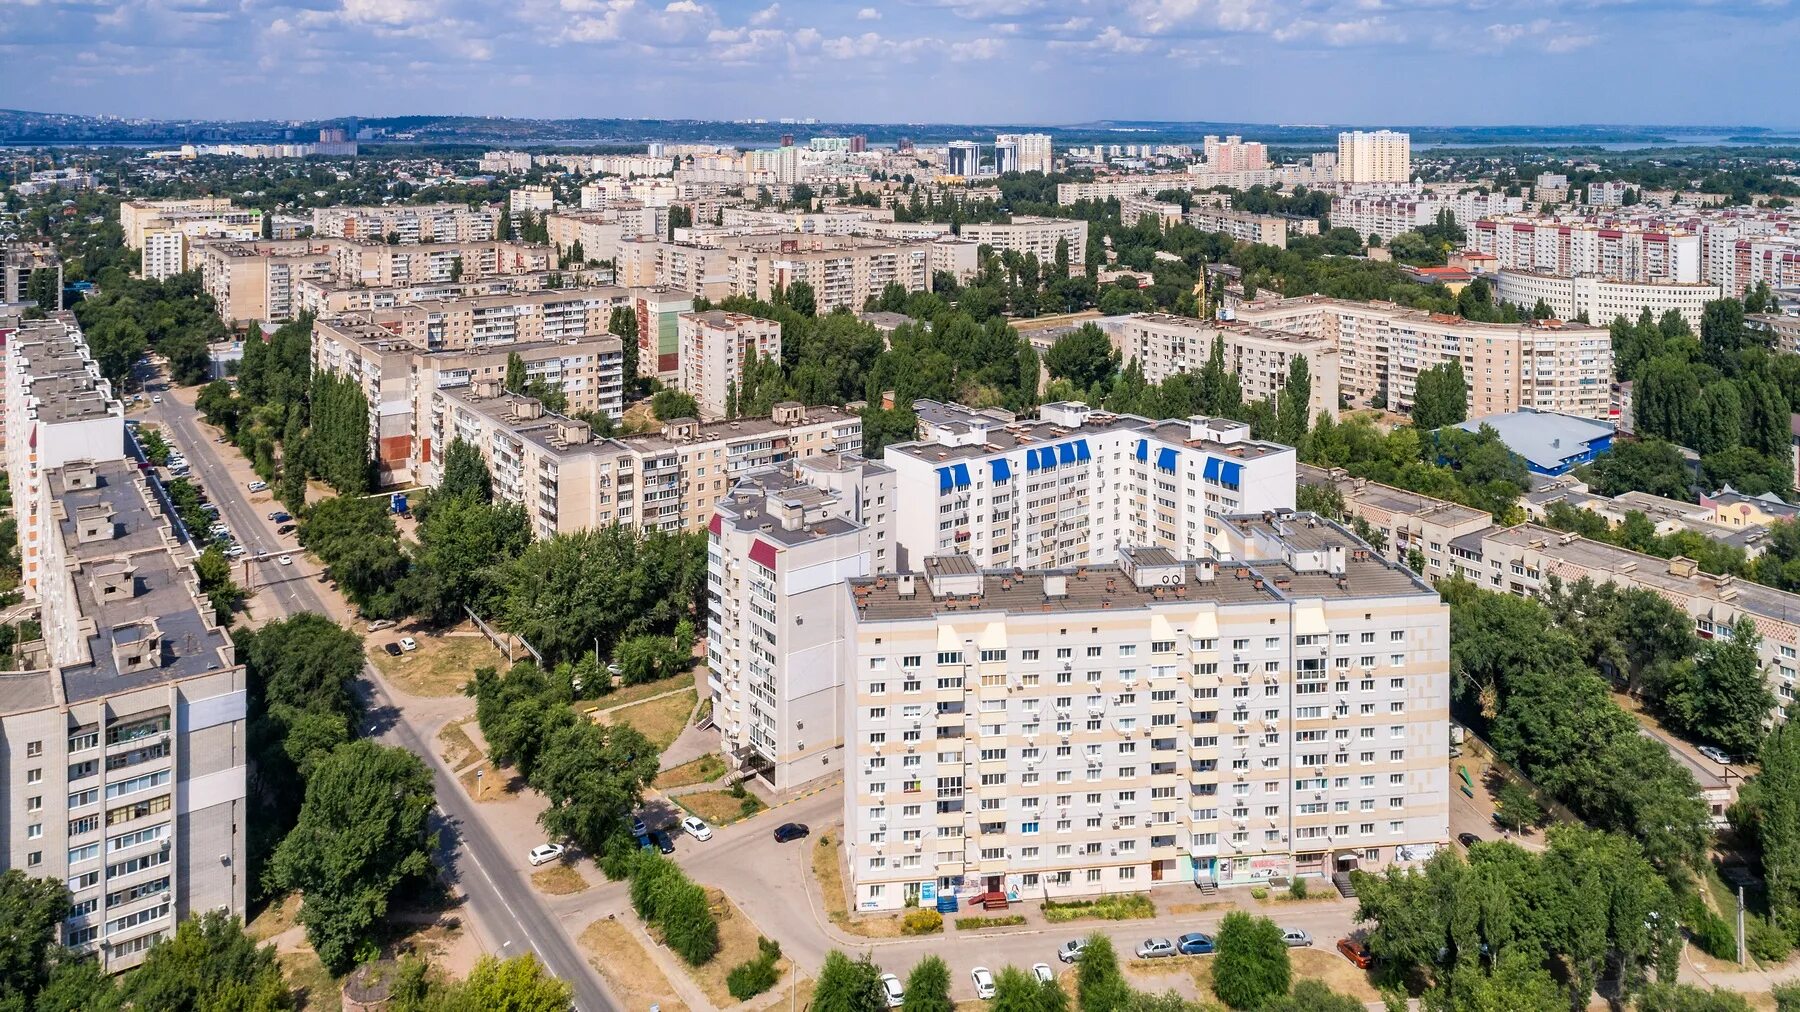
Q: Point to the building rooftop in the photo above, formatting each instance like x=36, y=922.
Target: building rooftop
x=1544, y=438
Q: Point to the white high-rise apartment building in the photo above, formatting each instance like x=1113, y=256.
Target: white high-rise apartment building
x=1165, y=345
x=1276, y=709
x=1234, y=154
x=1037, y=236
x=714, y=347
x=963, y=158
x=1033, y=151
x=780, y=547
x=1380, y=156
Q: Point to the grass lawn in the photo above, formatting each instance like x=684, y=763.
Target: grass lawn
x=737, y=943
x=495, y=783
x=703, y=770
x=559, y=880
x=719, y=807
x=455, y=746
x=613, y=950
x=1121, y=907
x=830, y=875
x=314, y=989
x=441, y=666
x=637, y=693
x=274, y=918
x=661, y=720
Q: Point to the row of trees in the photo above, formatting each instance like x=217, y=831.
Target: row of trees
x=1472, y=468
x=174, y=318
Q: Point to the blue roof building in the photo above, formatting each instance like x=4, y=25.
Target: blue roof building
x=1550, y=443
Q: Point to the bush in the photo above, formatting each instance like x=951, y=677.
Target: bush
x=1787, y=998
x=1120, y=907
x=1297, y=889
x=1259, y=893
x=1767, y=942
x=687, y=922
x=973, y=923
x=1713, y=934
x=921, y=922
x=755, y=975
x=1252, y=962
x=616, y=856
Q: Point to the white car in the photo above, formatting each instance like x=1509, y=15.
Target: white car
x=544, y=853
x=259, y=486
x=1043, y=973
x=408, y=644
x=1071, y=950
x=234, y=551
x=380, y=624
x=286, y=560
x=1296, y=937
x=896, y=995
x=697, y=828
x=156, y=399
x=1716, y=755
x=984, y=982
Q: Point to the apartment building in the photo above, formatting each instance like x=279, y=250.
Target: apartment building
x=1378, y=156
x=1267, y=229
x=399, y=377
x=530, y=200
x=328, y=297
x=1601, y=301
x=1546, y=365
x=1135, y=209
x=20, y=263
x=1165, y=345
x=123, y=725
x=1031, y=152
x=844, y=272
x=1038, y=237
x=1614, y=251
x=476, y=322
x=714, y=346
x=670, y=480
x=658, y=310
x=779, y=548
x=1072, y=485
x=137, y=217
x=1234, y=154
x=408, y=223
x=983, y=760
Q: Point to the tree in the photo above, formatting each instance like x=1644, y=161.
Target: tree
x=1441, y=397
x=1251, y=964
x=338, y=442
x=465, y=474
x=1294, y=404
x=462, y=543
x=515, y=372
x=1768, y=809
x=363, y=837
x=209, y=965
x=360, y=546
x=592, y=775
x=32, y=910
x=1312, y=996
x=847, y=985
x=928, y=987
x=1516, y=808
x=1016, y=990
x=800, y=298
x=687, y=924
x=1099, y=986
x=669, y=403
x=1722, y=329
x=76, y=984
x=1661, y=997
x=519, y=984
x=1086, y=357
x=1650, y=465
x=623, y=324
x=1722, y=695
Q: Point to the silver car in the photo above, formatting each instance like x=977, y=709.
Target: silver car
x=1155, y=948
x=1071, y=950
x=1296, y=937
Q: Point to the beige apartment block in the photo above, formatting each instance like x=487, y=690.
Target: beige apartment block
x=1601, y=301
x=330, y=297
x=1377, y=156
x=714, y=347
x=400, y=378
x=569, y=480
x=1406, y=522
x=1036, y=236
x=1244, y=226
x=1547, y=365
x=1165, y=345
x=1281, y=711
x=137, y=217
x=408, y=223
x=484, y=321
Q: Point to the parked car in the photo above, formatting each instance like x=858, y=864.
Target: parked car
x=380, y=624
x=393, y=649
x=896, y=995
x=1716, y=755
x=259, y=486
x=1355, y=952
x=697, y=828
x=1043, y=973
x=1194, y=944
x=286, y=560
x=1296, y=937
x=1155, y=948
x=662, y=841
x=984, y=982
x=156, y=399
x=1071, y=950
x=1467, y=839
x=285, y=529
x=790, y=831
x=280, y=516
x=637, y=826
x=407, y=643
x=234, y=552
x=544, y=853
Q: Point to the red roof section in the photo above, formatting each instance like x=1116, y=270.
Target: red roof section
x=763, y=552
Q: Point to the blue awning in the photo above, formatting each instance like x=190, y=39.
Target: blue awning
x=1081, y=450
x=943, y=480
x=1165, y=459
x=1143, y=449
x=961, y=474
x=1031, y=460
x=1212, y=469
x=1231, y=472
x=1065, y=454
x=1002, y=470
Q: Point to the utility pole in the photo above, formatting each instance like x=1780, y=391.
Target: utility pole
x=1740, y=926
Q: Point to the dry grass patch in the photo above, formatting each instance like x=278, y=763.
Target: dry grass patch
x=275, y=918
x=455, y=746
x=737, y=943
x=630, y=694
x=559, y=880
x=1160, y=967
x=1179, y=909
x=1330, y=966
x=493, y=784
x=441, y=666
x=661, y=719
x=314, y=989
x=720, y=808
x=613, y=950
x=703, y=770
x=829, y=873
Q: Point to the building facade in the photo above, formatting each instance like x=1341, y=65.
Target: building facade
x=714, y=347
x=1378, y=156
x=1165, y=345
x=1601, y=301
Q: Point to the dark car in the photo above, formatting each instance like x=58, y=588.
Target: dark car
x=393, y=649
x=662, y=841
x=285, y=529
x=790, y=831
x=1355, y=952
x=280, y=516
x=1467, y=839
x=1194, y=944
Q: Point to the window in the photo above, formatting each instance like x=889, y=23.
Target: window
x=33, y=749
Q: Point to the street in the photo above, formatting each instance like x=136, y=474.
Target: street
x=509, y=912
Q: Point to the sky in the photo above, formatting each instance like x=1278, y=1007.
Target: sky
x=1369, y=62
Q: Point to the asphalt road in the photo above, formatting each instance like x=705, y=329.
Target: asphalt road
x=505, y=904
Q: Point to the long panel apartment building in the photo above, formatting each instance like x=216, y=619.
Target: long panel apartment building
x=123, y=725
x=1546, y=365
x=1164, y=345
x=1039, y=237
x=1277, y=710
x=408, y=223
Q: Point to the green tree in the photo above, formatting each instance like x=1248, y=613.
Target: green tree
x=209, y=965
x=1312, y=996
x=847, y=985
x=688, y=925
x=1649, y=465
x=592, y=775
x=76, y=984
x=1516, y=808
x=1661, y=997
x=623, y=324
x=1099, y=986
x=360, y=546
x=1251, y=964
x=363, y=838
x=519, y=984
x=515, y=372
x=800, y=298
x=1441, y=397
x=1768, y=809
x=32, y=909
x=339, y=440
x=670, y=403
x=1085, y=358
x=928, y=987
x=462, y=542
x=1294, y=405
x=1722, y=695
x=465, y=474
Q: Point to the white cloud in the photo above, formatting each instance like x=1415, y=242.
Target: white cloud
x=977, y=49
x=387, y=12
x=1542, y=33
x=868, y=14
x=1359, y=32
x=766, y=16
x=681, y=22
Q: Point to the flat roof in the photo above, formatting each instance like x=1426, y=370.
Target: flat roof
x=1545, y=438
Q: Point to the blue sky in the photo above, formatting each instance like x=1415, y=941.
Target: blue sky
x=1043, y=61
